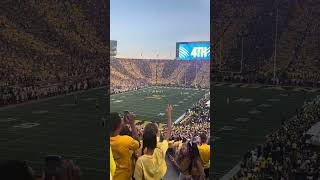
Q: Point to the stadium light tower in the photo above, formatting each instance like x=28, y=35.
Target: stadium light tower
x=275, y=49
x=241, y=54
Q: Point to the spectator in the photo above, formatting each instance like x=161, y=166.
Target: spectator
x=150, y=166
x=188, y=162
x=204, y=151
x=122, y=146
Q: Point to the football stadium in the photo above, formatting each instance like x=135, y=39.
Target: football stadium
x=53, y=59
x=145, y=87
x=266, y=90
x=159, y=82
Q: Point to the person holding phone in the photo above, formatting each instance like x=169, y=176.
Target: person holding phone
x=188, y=162
x=151, y=165
x=122, y=145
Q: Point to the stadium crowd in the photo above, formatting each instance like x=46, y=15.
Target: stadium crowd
x=249, y=52
x=59, y=53
x=54, y=77
x=287, y=153
x=185, y=145
x=129, y=74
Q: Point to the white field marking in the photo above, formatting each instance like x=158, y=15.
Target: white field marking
x=227, y=128
x=26, y=125
x=314, y=90
x=234, y=85
x=284, y=95
x=254, y=86
x=273, y=100
x=219, y=84
x=275, y=88
x=232, y=172
x=90, y=99
x=242, y=119
x=244, y=100
x=265, y=105
x=67, y=105
x=8, y=119
x=254, y=111
x=40, y=112
x=298, y=89
x=244, y=86
x=215, y=138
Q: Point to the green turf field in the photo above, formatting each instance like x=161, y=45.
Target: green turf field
x=149, y=104
x=252, y=113
x=33, y=130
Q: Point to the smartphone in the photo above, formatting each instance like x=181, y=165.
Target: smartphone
x=53, y=167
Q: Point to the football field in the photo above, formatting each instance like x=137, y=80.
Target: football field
x=150, y=103
x=57, y=126
x=245, y=114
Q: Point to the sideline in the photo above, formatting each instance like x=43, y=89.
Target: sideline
x=47, y=98
x=232, y=172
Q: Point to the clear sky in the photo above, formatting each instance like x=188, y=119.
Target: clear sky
x=153, y=27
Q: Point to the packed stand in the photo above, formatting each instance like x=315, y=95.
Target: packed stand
x=246, y=52
x=127, y=74
x=287, y=153
x=152, y=147
x=60, y=52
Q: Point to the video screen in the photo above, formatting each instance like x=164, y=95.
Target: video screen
x=193, y=50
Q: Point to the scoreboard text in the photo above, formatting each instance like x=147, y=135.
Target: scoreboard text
x=193, y=51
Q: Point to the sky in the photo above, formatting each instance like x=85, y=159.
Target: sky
x=152, y=27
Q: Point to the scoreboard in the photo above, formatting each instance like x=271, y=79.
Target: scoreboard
x=193, y=50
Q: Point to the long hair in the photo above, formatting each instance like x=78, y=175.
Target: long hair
x=149, y=137
x=193, y=153
x=115, y=121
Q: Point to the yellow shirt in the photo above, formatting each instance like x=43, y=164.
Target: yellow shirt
x=204, y=151
x=112, y=165
x=152, y=167
x=121, y=147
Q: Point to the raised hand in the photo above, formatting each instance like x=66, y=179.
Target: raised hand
x=169, y=108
